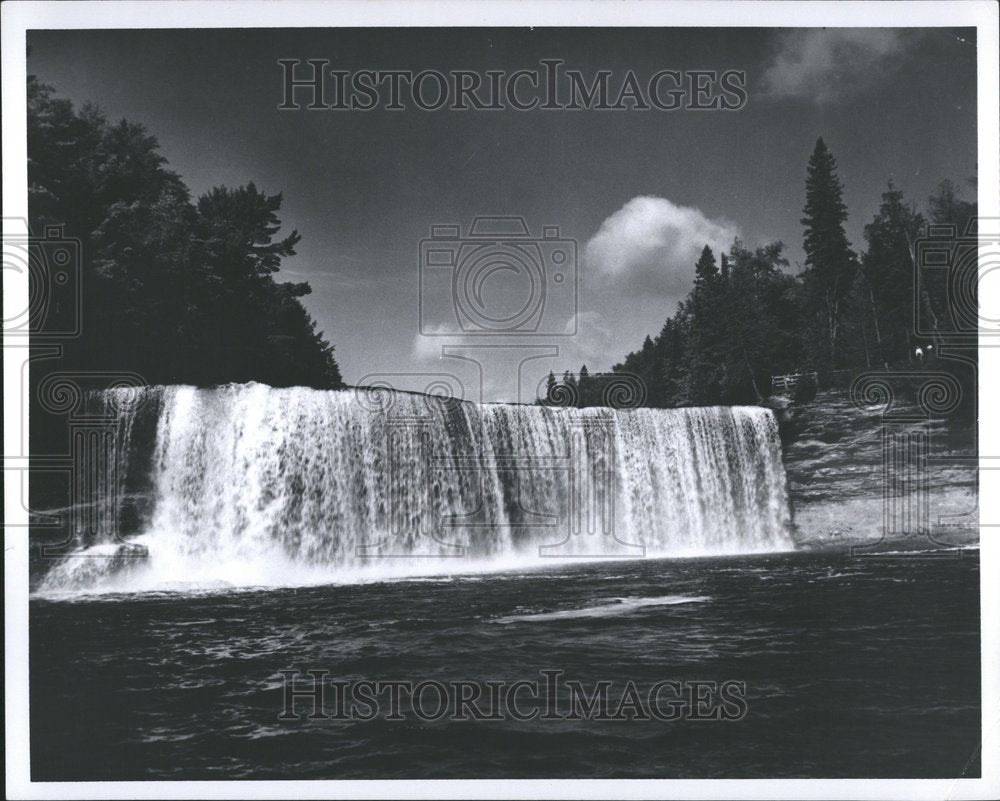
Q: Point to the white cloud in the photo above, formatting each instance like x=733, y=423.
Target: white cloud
x=825, y=64
x=427, y=346
x=634, y=271
x=650, y=246
x=594, y=343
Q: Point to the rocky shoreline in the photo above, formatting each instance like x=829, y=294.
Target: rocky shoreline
x=861, y=477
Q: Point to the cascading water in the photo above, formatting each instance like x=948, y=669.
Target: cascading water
x=252, y=485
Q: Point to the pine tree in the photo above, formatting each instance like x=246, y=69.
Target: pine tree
x=706, y=272
x=940, y=312
x=705, y=329
x=550, y=390
x=889, y=270
x=584, y=385
x=572, y=392
x=946, y=207
x=830, y=263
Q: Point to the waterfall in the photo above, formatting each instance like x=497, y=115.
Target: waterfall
x=248, y=484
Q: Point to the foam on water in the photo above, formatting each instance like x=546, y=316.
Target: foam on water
x=251, y=485
x=614, y=607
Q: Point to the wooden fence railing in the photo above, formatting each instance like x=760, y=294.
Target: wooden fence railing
x=782, y=384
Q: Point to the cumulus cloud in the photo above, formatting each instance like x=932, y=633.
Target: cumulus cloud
x=650, y=246
x=633, y=271
x=823, y=65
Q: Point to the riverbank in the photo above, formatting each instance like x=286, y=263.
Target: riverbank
x=858, y=478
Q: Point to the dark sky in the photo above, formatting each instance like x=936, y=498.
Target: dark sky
x=363, y=188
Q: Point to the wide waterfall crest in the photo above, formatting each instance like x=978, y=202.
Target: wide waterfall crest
x=249, y=484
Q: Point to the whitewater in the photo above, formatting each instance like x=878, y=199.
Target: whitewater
x=248, y=485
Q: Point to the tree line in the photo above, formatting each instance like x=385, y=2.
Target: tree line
x=748, y=318
x=178, y=290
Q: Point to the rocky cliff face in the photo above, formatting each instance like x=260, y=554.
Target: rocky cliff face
x=862, y=475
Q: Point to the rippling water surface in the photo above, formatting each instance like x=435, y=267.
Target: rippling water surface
x=864, y=666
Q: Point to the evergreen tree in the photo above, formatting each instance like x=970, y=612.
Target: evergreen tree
x=706, y=329
x=747, y=319
x=585, y=388
x=667, y=387
x=830, y=263
x=862, y=345
x=706, y=272
x=174, y=291
x=732, y=332
x=550, y=390
x=889, y=271
x=761, y=321
x=951, y=213
x=572, y=391
x=946, y=207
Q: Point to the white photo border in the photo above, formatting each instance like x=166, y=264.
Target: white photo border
x=19, y=17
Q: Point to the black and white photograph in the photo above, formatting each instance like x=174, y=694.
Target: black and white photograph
x=534, y=396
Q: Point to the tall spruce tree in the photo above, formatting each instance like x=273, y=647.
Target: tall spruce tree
x=706, y=330
x=585, y=387
x=889, y=269
x=830, y=263
x=550, y=390
x=941, y=311
x=706, y=272
x=571, y=396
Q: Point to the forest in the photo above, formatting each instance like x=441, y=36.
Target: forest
x=178, y=290
x=182, y=290
x=748, y=318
